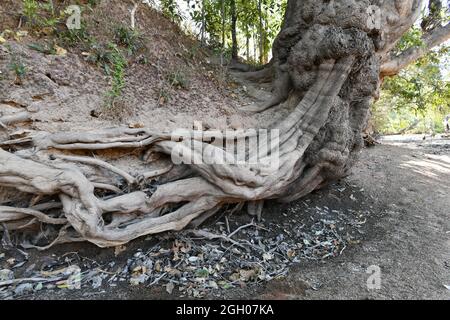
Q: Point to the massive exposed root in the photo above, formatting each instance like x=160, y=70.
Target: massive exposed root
x=327, y=71
x=139, y=213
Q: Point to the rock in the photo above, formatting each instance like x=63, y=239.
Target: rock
x=193, y=259
x=38, y=287
x=96, y=282
x=6, y=274
x=23, y=288
x=135, y=281
x=213, y=285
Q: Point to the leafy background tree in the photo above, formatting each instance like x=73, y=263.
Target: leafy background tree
x=414, y=101
x=417, y=99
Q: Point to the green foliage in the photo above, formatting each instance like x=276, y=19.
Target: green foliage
x=75, y=37
x=93, y=3
x=418, y=98
x=101, y=55
x=118, y=66
x=163, y=96
x=19, y=69
x=41, y=14
x=129, y=38
x=258, y=21
x=113, y=62
x=413, y=38
x=30, y=9
x=47, y=48
x=171, y=10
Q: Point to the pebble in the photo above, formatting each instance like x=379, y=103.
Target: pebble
x=6, y=274
x=96, y=282
x=23, y=288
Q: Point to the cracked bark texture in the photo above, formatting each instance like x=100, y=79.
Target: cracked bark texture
x=325, y=70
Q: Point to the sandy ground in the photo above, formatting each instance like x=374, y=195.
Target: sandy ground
x=410, y=242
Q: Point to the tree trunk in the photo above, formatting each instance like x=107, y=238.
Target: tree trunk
x=255, y=52
x=247, y=46
x=326, y=62
x=222, y=13
x=223, y=24
x=234, y=47
x=261, y=33
x=203, y=28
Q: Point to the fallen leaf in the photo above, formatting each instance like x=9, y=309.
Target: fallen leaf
x=47, y=30
x=20, y=34
x=246, y=275
x=169, y=287
x=234, y=277
x=60, y=51
x=291, y=253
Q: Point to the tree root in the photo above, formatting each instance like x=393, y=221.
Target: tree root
x=95, y=162
x=14, y=118
x=122, y=217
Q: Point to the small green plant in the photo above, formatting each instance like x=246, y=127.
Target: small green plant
x=19, y=69
x=47, y=48
x=118, y=66
x=93, y=3
x=128, y=38
x=101, y=56
x=113, y=62
x=171, y=10
x=48, y=6
x=40, y=15
x=163, y=96
x=30, y=10
x=74, y=37
x=178, y=79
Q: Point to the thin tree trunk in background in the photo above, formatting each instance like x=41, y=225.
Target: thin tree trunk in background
x=203, y=24
x=223, y=24
x=247, y=44
x=234, y=48
x=223, y=32
x=255, y=46
x=261, y=36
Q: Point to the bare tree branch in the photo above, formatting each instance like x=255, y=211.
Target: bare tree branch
x=431, y=40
